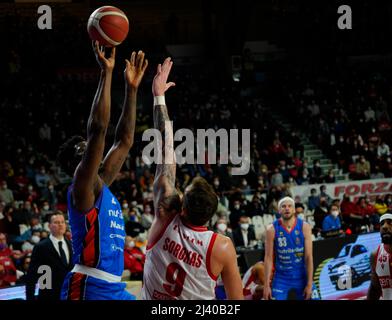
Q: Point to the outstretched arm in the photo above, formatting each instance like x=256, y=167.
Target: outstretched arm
x=308, y=260
x=125, y=130
x=165, y=174
x=86, y=183
x=374, y=291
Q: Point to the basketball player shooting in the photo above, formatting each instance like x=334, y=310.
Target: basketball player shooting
x=95, y=215
x=381, y=276
x=288, y=248
x=184, y=258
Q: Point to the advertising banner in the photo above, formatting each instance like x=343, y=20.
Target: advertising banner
x=354, y=189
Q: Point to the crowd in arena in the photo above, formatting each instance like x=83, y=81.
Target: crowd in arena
x=35, y=118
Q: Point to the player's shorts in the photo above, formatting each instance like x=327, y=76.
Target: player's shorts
x=283, y=289
x=78, y=286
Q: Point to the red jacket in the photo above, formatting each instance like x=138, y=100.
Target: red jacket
x=134, y=260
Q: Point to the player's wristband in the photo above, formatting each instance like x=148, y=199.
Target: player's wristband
x=159, y=101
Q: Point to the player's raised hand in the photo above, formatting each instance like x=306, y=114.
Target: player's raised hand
x=160, y=84
x=106, y=64
x=134, y=69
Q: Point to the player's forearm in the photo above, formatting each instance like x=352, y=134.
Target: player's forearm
x=167, y=167
x=309, y=270
x=100, y=112
x=373, y=293
x=267, y=271
x=125, y=130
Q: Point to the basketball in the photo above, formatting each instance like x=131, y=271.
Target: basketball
x=108, y=25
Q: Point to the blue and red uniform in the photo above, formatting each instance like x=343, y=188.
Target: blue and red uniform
x=98, y=239
x=290, y=279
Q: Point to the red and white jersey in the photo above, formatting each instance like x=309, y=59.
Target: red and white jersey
x=249, y=284
x=178, y=264
x=383, y=271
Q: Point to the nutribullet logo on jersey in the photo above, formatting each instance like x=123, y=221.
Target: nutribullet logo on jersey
x=206, y=147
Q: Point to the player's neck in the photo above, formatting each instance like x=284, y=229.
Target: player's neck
x=289, y=223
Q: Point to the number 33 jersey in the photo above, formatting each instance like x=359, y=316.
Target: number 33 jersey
x=178, y=264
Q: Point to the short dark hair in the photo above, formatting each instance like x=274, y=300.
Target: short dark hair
x=67, y=157
x=299, y=205
x=56, y=213
x=201, y=202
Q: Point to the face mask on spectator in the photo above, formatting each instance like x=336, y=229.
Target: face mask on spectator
x=51, y=188
x=142, y=237
x=147, y=210
x=335, y=213
x=237, y=206
x=125, y=205
x=244, y=226
x=45, y=207
x=222, y=227
x=30, y=188
x=35, y=239
x=301, y=216
x=27, y=246
x=216, y=183
x=130, y=244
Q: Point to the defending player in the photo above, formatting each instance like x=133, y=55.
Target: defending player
x=95, y=214
x=183, y=258
x=381, y=278
x=288, y=249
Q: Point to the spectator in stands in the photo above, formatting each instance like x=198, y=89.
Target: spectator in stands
x=6, y=195
x=42, y=179
x=222, y=228
x=330, y=177
x=323, y=193
x=7, y=272
x=244, y=235
x=383, y=150
x=380, y=206
x=147, y=216
x=276, y=178
x=362, y=169
x=377, y=174
x=319, y=214
x=255, y=208
x=236, y=212
x=134, y=258
x=313, y=200
x=300, y=211
x=317, y=172
x=331, y=223
x=49, y=194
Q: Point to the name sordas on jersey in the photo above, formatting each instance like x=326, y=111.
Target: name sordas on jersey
x=179, y=252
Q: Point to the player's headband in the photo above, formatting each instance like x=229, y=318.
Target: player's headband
x=386, y=216
x=285, y=199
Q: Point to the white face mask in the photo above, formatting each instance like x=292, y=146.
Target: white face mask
x=301, y=216
x=130, y=244
x=237, y=206
x=335, y=213
x=46, y=208
x=35, y=239
x=125, y=206
x=244, y=226
x=222, y=227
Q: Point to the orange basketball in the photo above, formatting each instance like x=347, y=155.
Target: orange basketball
x=109, y=25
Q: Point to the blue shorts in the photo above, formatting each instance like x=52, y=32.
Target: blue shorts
x=283, y=289
x=78, y=286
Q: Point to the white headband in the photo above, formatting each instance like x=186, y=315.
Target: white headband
x=386, y=216
x=281, y=201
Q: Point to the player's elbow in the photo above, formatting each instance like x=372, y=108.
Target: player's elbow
x=96, y=128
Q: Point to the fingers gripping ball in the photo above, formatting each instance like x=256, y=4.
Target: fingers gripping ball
x=108, y=25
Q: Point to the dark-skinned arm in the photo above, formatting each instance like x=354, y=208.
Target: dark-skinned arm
x=374, y=291
x=87, y=185
x=125, y=130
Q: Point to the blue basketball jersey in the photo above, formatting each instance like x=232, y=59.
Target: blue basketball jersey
x=98, y=236
x=289, y=253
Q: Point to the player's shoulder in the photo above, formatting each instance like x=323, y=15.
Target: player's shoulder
x=271, y=227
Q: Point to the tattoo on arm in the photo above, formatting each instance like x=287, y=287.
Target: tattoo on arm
x=168, y=167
